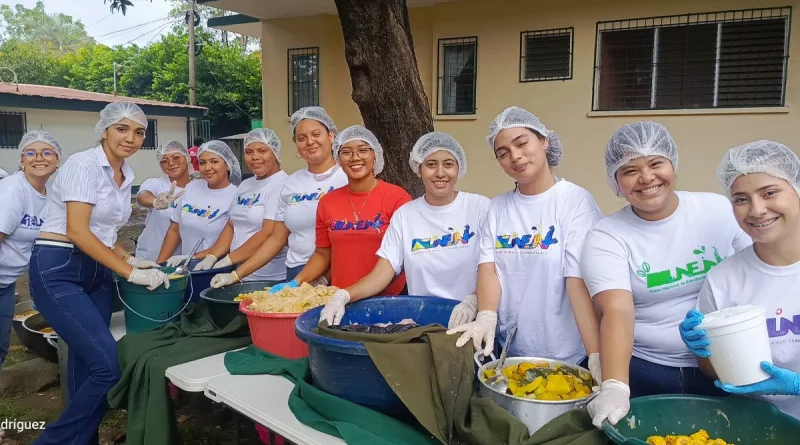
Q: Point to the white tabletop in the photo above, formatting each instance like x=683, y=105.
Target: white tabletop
x=265, y=399
x=117, y=325
x=193, y=376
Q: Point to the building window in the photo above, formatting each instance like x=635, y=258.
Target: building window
x=151, y=135
x=458, y=76
x=13, y=126
x=303, y=78
x=545, y=55
x=707, y=60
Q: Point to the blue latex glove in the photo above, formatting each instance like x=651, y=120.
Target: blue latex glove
x=278, y=287
x=694, y=339
x=782, y=382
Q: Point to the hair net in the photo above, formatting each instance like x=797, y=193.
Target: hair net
x=768, y=157
x=638, y=140
x=267, y=137
x=39, y=136
x=115, y=112
x=360, y=133
x=435, y=141
x=318, y=114
x=222, y=150
x=516, y=117
x=174, y=147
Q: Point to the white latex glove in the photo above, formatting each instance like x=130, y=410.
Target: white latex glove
x=206, y=263
x=175, y=260
x=594, y=366
x=464, y=312
x=334, y=310
x=613, y=403
x=152, y=278
x=141, y=264
x=480, y=331
x=225, y=262
x=165, y=199
x=224, y=279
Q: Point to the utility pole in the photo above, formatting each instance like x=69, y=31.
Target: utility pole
x=115, y=78
x=192, y=84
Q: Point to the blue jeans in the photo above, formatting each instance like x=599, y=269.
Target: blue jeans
x=649, y=379
x=6, y=315
x=73, y=293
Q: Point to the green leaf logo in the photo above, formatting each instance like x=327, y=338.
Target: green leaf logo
x=700, y=251
x=645, y=269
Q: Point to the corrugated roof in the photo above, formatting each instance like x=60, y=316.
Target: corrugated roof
x=69, y=93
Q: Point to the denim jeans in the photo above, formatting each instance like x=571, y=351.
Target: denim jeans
x=649, y=379
x=6, y=315
x=73, y=293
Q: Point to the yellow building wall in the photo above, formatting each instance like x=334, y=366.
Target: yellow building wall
x=564, y=106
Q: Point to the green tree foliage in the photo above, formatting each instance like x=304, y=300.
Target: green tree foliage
x=52, y=32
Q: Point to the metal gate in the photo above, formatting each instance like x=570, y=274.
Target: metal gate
x=197, y=128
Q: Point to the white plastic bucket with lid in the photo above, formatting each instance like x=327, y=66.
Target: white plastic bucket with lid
x=738, y=342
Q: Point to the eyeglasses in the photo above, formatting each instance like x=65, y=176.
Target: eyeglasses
x=347, y=154
x=47, y=155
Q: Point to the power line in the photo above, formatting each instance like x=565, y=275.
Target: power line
x=159, y=28
x=109, y=15
x=134, y=27
x=220, y=84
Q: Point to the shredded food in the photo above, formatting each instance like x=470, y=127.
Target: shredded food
x=294, y=300
x=699, y=438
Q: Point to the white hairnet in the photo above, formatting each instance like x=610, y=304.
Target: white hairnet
x=267, y=137
x=39, y=136
x=516, y=117
x=174, y=147
x=767, y=157
x=638, y=140
x=115, y=112
x=435, y=141
x=318, y=114
x=360, y=133
x=222, y=150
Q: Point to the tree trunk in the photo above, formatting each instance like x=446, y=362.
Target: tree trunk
x=386, y=84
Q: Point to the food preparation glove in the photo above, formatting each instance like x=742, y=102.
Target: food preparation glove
x=694, y=339
x=152, y=278
x=224, y=279
x=175, y=260
x=594, y=366
x=141, y=264
x=480, y=331
x=206, y=264
x=334, y=309
x=225, y=262
x=464, y=312
x=165, y=199
x=782, y=382
x=613, y=403
x=278, y=287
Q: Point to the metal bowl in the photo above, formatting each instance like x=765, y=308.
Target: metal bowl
x=42, y=344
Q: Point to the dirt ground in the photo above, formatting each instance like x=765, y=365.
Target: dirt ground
x=200, y=421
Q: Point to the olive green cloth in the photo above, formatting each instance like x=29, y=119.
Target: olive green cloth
x=435, y=380
x=144, y=359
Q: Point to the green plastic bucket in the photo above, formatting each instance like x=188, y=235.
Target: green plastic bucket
x=146, y=310
x=221, y=301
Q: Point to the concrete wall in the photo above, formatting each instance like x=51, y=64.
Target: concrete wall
x=75, y=132
x=565, y=106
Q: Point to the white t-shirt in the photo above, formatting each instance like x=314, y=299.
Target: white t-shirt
x=437, y=246
x=298, y=209
x=745, y=279
x=535, y=243
x=20, y=220
x=663, y=264
x=256, y=201
x=202, y=213
x=157, y=222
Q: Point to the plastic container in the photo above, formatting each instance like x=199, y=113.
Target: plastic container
x=738, y=342
x=274, y=332
x=736, y=420
x=344, y=369
x=220, y=301
x=145, y=309
x=201, y=280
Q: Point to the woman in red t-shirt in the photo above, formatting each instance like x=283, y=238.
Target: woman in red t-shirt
x=352, y=220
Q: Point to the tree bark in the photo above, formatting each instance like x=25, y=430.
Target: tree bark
x=386, y=83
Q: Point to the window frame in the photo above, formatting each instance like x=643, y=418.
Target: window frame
x=523, y=44
x=152, y=126
x=685, y=20
x=440, y=71
x=290, y=83
x=7, y=137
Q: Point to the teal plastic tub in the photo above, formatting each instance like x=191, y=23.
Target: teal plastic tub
x=736, y=420
x=221, y=301
x=145, y=309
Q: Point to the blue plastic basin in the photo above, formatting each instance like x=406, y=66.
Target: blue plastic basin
x=201, y=280
x=344, y=369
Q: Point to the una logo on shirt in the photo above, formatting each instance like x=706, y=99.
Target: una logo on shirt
x=248, y=202
x=527, y=241
x=206, y=213
x=678, y=276
x=780, y=326
x=359, y=226
x=314, y=196
x=31, y=221
x=449, y=239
